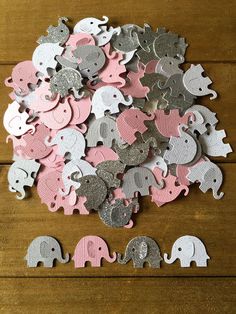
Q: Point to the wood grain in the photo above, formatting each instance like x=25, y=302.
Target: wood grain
x=208, y=26
x=133, y=295
x=223, y=75
x=197, y=214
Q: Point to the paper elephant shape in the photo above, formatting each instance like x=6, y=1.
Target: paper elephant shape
x=188, y=249
x=69, y=141
x=141, y=249
x=108, y=98
x=91, y=249
x=44, y=249
x=22, y=173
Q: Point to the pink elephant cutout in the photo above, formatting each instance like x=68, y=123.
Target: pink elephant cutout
x=80, y=112
x=131, y=121
x=34, y=147
x=80, y=39
x=98, y=154
x=92, y=249
x=57, y=118
x=112, y=70
x=48, y=184
x=170, y=191
x=134, y=87
x=41, y=101
x=70, y=203
x=167, y=124
x=23, y=74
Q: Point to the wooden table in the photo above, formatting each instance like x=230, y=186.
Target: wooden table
x=209, y=27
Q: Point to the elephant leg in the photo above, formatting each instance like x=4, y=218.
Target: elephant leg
x=154, y=264
x=201, y=263
x=48, y=263
x=96, y=263
x=185, y=263
x=79, y=263
x=32, y=263
x=138, y=263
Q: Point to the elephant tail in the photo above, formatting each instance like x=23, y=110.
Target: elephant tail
x=168, y=260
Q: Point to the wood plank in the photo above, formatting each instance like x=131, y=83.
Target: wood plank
x=223, y=75
x=208, y=26
x=198, y=214
x=109, y=295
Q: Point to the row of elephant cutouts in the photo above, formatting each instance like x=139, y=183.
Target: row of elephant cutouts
x=141, y=249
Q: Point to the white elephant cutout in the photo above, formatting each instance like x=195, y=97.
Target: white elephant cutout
x=183, y=148
x=212, y=142
x=14, y=120
x=105, y=35
x=70, y=142
x=188, y=249
x=44, y=57
x=81, y=167
x=196, y=84
x=22, y=173
x=90, y=25
x=108, y=98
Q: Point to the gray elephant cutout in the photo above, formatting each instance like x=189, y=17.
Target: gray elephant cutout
x=45, y=249
x=125, y=41
x=58, y=34
x=108, y=170
x=22, y=173
x=116, y=215
x=93, y=59
x=137, y=153
x=141, y=249
x=177, y=88
x=102, y=130
x=93, y=188
x=139, y=179
x=169, y=45
x=66, y=80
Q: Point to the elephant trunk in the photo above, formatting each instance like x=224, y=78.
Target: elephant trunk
x=105, y=20
x=123, y=260
x=151, y=116
x=216, y=195
x=22, y=192
x=214, y=94
x=169, y=260
x=64, y=260
x=129, y=101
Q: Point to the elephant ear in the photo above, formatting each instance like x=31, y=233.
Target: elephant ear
x=143, y=250
x=70, y=141
x=138, y=179
x=44, y=249
x=103, y=130
x=106, y=98
x=91, y=249
x=188, y=248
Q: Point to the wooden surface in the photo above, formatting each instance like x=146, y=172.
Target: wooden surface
x=209, y=27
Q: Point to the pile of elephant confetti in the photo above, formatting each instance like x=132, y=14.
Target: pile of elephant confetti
x=102, y=115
